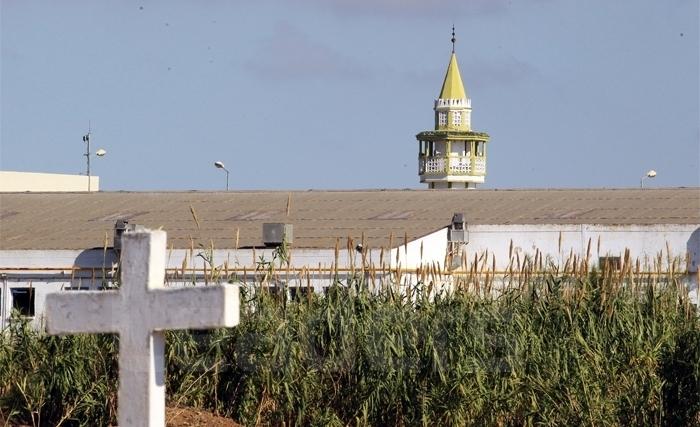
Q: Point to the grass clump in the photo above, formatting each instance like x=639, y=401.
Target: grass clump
x=556, y=350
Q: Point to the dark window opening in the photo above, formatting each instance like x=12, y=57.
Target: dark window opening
x=296, y=292
x=273, y=290
x=77, y=288
x=609, y=263
x=23, y=301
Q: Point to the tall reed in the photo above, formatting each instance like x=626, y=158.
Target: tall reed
x=561, y=347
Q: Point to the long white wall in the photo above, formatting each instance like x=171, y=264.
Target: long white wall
x=50, y=271
x=557, y=242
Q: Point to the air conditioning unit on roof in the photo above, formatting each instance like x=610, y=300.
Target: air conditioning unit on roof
x=457, y=232
x=274, y=234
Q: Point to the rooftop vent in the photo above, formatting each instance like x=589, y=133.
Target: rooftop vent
x=458, y=229
x=120, y=227
x=274, y=234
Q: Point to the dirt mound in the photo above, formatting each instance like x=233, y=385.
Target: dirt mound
x=190, y=417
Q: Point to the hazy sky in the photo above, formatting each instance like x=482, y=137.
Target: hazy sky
x=330, y=93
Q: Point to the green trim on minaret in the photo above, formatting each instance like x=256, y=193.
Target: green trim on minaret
x=452, y=87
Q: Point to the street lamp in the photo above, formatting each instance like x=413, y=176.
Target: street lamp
x=650, y=174
x=100, y=153
x=220, y=165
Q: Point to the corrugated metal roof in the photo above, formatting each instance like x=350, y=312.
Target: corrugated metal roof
x=82, y=220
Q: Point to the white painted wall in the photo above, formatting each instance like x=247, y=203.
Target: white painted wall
x=643, y=241
x=426, y=250
x=16, y=182
x=27, y=268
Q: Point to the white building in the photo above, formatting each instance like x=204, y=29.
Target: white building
x=50, y=242
x=19, y=182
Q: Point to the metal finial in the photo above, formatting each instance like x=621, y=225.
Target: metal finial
x=453, y=39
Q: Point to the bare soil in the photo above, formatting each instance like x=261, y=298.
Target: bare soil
x=191, y=417
x=174, y=417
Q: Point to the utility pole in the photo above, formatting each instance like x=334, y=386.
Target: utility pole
x=86, y=139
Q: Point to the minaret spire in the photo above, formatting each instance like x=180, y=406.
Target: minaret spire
x=453, y=39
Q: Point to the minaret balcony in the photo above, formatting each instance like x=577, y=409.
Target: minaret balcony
x=453, y=167
x=453, y=103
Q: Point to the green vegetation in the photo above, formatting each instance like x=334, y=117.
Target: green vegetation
x=557, y=349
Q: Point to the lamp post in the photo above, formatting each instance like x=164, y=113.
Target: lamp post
x=220, y=165
x=99, y=153
x=650, y=174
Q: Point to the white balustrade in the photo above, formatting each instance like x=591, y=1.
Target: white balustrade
x=452, y=165
x=434, y=165
x=460, y=166
x=480, y=165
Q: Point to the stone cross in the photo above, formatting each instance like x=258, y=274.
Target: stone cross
x=139, y=312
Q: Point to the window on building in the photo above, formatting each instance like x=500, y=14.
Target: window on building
x=609, y=263
x=77, y=288
x=23, y=301
x=275, y=291
x=456, y=118
x=299, y=292
x=442, y=118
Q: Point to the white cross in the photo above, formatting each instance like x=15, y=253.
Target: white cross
x=139, y=312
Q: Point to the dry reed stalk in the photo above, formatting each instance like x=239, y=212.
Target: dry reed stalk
x=194, y=216
x=184, y=267
x=351, y=255
x=336, y=252
x=588, y=253
x=565, y=270
x=561, y=238
x=364, y=252
x=510, y=249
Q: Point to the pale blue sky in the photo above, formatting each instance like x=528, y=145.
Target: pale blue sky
x=330, y=93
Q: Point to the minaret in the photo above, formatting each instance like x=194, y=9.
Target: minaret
x=452, y=155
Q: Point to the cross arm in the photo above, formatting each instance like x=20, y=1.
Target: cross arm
x=83, y=312
x=199, y=307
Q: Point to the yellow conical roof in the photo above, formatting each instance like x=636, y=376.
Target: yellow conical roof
x=452, y=87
